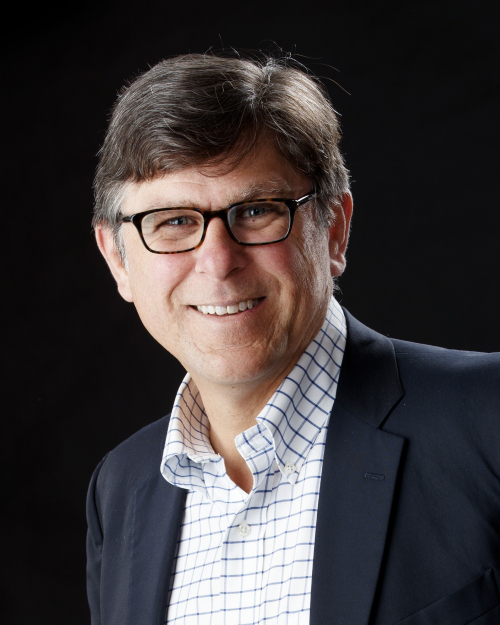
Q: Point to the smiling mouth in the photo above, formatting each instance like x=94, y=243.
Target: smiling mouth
x=233, y=309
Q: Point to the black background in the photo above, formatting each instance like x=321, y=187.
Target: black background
x=421, y=136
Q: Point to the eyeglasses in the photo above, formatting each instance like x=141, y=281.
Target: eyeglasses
x=254, y=222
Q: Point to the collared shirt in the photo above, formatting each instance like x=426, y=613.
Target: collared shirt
x=247, y=559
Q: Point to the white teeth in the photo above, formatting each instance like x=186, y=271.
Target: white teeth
x=228, y=310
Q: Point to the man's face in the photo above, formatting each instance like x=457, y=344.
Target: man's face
x=289, y=282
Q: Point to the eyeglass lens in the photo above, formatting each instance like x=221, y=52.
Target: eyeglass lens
x=175, y=230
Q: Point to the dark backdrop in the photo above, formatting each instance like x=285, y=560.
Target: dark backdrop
x=421, y=140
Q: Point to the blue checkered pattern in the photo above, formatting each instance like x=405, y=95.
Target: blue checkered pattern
x=246, y=559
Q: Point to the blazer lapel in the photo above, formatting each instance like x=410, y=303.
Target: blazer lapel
x=358, y=479
x=158, y=510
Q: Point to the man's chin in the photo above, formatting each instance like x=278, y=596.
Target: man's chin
x=234, y=367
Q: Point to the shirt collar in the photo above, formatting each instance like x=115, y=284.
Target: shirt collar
x=294, y=415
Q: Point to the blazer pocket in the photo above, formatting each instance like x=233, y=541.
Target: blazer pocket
x=462, y=607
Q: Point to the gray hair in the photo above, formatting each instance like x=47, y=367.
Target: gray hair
x=198, y=110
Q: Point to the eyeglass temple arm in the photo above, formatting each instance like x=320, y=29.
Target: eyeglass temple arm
x=305, y=198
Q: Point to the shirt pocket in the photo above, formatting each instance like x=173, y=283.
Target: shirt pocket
x=462, y=607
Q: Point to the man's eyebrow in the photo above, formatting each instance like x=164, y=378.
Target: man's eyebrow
x=259, y=190
x=270, y=188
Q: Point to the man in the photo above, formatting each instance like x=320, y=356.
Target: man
x=311, y=470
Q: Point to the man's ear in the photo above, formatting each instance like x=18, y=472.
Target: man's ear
x=106, y=243
x=339, y=234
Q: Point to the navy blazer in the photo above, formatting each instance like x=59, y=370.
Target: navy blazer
x=408, y=528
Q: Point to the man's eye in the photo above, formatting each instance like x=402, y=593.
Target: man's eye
x=253, y=211
x=177, y=221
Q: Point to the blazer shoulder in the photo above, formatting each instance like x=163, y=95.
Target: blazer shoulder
x=137, y=458
x=407, y=347
x=380, y=375
x=477, y=367
x=450, y=392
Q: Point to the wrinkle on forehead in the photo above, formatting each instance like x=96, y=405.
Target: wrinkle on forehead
x=262, y=175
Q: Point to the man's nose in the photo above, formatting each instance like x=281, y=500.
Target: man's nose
x=219, y=255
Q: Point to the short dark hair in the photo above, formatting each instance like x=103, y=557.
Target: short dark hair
x=196, y=110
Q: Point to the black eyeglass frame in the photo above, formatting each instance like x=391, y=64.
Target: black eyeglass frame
x=208, y=215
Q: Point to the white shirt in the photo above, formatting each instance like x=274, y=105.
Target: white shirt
x=247, y=559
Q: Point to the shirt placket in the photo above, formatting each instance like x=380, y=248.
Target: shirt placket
x=241, y=549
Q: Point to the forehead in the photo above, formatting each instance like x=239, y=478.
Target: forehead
x=263, y=173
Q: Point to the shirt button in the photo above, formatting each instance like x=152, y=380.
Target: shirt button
x=244, y=529
x=290, y=468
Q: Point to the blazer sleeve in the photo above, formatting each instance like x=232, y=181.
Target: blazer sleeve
x=94, y=548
